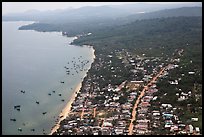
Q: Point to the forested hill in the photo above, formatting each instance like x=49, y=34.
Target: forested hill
x=175, y=12
x=153, y=38
x=93, y=19
x=149, y=32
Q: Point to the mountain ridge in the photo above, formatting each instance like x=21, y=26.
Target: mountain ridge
x=79, y=23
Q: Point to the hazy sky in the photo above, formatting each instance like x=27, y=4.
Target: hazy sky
x=15, y=7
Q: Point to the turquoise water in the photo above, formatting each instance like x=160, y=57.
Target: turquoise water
x=35, y=63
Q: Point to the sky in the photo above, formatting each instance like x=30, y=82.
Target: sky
x=16, y=7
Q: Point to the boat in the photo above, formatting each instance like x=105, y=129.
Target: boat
x=18, y=109
x=17, y=106
x=12, y=119
x=22, y=91
x=33, y=129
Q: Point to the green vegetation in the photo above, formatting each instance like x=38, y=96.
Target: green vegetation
x=92, y=19
x=161, y=35
x=160, y=38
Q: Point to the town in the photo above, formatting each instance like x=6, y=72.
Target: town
x=136, y=106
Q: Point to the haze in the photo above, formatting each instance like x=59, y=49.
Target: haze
x=17, y=7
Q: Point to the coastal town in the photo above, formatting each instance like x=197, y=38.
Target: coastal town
x=102, y=68
x=136, y=106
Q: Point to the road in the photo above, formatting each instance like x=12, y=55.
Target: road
x=82, y=113
x=138, y=100
x=94, y=112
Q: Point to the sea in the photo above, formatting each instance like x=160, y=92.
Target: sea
x=40, y=71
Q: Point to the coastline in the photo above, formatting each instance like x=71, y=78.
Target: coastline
x=66, y=110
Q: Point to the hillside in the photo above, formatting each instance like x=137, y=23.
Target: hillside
x=157, y=38
x=172, y=31
x=175, y=12
x=92, y=19
x=152, y=37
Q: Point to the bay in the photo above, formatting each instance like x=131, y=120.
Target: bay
x=36, y=63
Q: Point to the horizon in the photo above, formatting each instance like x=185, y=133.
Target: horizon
x=20, y=7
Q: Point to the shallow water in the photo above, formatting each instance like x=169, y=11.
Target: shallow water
x=34, y=62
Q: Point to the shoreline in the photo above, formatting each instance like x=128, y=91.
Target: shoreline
x=66, y=110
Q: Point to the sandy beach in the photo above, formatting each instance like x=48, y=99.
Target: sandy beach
x=93, y=51
x=67, y=108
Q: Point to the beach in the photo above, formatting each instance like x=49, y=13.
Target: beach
x=67, y=108
x=65, y=112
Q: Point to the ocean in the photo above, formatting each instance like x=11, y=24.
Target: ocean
x=36, y=68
